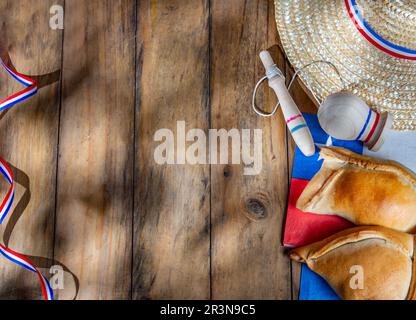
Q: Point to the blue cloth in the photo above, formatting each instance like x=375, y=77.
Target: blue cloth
x=314, y=287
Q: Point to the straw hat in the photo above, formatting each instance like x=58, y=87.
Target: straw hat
x=372, y=44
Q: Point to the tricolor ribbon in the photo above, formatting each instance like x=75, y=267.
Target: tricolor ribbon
x=6, y=204
x=31, y=89
x=375, y=38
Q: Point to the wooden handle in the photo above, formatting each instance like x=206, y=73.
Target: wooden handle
x=294, y=119
x=266, y=59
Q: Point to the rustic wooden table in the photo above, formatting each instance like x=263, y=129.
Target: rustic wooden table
x=90, y=197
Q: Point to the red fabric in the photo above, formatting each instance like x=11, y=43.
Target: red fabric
x=304, y=228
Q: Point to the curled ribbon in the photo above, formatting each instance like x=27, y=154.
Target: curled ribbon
x=6, y=204
x=31, y=89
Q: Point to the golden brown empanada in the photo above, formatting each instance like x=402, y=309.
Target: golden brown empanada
x=363, y=190
x=384, y=258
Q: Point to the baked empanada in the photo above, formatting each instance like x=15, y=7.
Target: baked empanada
x=382, y=257
x=363, y=190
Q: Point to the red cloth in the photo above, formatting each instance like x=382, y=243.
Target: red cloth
x=303, y=228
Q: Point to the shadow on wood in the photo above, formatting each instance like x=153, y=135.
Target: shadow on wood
x=41, y=80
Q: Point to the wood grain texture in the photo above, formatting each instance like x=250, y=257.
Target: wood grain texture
x=125, y=226
x=29, y=141
x=171, y=219
x=95, y=199
x=247, y=257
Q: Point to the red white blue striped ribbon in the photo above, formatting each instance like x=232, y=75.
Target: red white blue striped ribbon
x=6, y=204
x=375, y=38
x=30, y=90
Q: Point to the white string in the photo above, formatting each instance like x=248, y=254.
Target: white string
x=266, y=114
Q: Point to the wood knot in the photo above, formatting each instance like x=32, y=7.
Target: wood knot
x=255, y=207
x=227, y=171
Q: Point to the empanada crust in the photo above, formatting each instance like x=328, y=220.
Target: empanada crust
x=385, y=256
x=363, y=190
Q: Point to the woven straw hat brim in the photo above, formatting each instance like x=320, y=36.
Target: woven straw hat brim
x=313, y=30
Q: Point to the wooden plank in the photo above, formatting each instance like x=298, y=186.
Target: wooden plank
x=247, y=211
x=29, y=140
x=95, y=170
x=171, y=221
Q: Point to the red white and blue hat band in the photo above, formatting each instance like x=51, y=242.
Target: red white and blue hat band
x=375, y=38
x=6, y=204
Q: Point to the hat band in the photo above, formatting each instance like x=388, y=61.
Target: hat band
x=375, y=38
